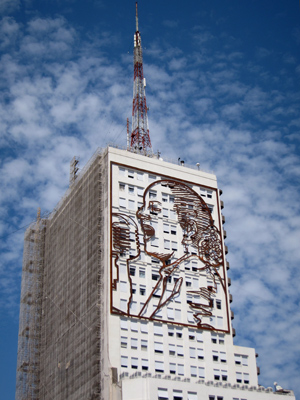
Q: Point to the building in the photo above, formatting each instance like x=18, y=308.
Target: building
x=125, y=288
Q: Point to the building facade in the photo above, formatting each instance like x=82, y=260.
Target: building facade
x=125, y=293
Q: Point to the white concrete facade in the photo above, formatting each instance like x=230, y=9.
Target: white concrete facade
x=166, y=334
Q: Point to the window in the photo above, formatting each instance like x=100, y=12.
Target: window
x=193, y=371
x=192, y=352
x=166, y=228
x=246, y=378
x=210, y=397
x=152, y=194
x=124, y=342
x=140, y=176
x=165, y=212
x=123, y=324
x=121, y=171
x=188, y=283
x=142, y=273
x=223, y=357
x=140, y=191
x=200, y=354
x=170, y=330
x=217, y=374
x=239, y=377
x=167, y=244
x=220, y=322
x=124, y=361
x=178, y=331
x=170, y=313
x=209, y=194
x=162, y=394
x=144, y=344
x=180, y=351
x=172, y=214
x=158, y=329
x=192, y=396
x=237, y=359
x=131, y=204
x=174, y=246
x=123, y=305
x=122, y=187
x=171, y=199
x=155, y=277
x=134, y=343
x=134, y=325
x=145, y=364
x=152, y=178
x=172, y=368
x=131, y=189
x=215, y=356
x=122, y=202
x=144, y=327
x=133, y=307
x=177, y=394
x=130, y=174
x=245, y=360
x=201, y=372
x=199, y=336
x=191, y=334
x=134, y=362
x=159, y=366
x=158, y=347
x=190, y=316
x=133, y=288
x=142, y=290
x=172, y=349
x=123, y=287
x=164, y=197
x=132, y=271
x=224, y=375
x=218, y=304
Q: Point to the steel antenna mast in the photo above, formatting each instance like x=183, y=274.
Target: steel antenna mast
x=140, y=138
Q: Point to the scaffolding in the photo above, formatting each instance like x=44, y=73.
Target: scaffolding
x=28, y=365
x=59, y=354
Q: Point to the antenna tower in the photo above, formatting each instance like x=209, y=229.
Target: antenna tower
x=140, y=139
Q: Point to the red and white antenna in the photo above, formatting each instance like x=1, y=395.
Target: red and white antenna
x=140, y=139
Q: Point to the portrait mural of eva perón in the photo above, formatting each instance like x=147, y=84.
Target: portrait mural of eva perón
x=197, y=241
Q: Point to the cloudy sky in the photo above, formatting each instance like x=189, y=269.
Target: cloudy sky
x=223, y=90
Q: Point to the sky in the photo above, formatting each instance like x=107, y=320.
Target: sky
x=222, y=89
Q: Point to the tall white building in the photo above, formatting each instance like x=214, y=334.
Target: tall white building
x=125, y=290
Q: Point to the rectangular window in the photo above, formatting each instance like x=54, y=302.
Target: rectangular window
x=192, y=352
x=164, y=197
x=172, y=349
x=200, y=354
x=217, y=374
x=123, y=324
x=220, y=322
x=192, y=396
x=172, y=368
x=130, y=174
x=199, y=336
x=178, y=316
x=177, y=394
x=144, y=344
x=171, y=199
x=131, y=204
x=132, y=271
x=140, y=176
x=190, y=316
x=188, y=282
x=165, y=212
x=178, y=330
x=158, y=329
x=215, y=356
x=152, y=178
x=191, y=334
x=158, y=347
x=224, y=375
x=174, y=246
x=124, y=361
x=133, y=307
x=145, y=364
x=246, y=378
x=152, y=194
x=131, y=189
x=159, y=366
x=134, y=325
x=134, y=362
x=134, y=343
x=193, y=371
x=180, y=351
x=140, y=191
x=239, y=377
x=173, y=230
x=122, y=187
x=201, y=372
x=162, y=394
x=142, y=273
x=144, y=327
x=123, y=305
x=245, y=360
x=167, y=244
x=223, y=357
x=121, y=171
x=170, y=330
x=237, y=359
x=142, y=290
x=172, y=214
x=218, y=304
x=124, y=342
x=170, y=313
x=123, y=287
x=122, y=202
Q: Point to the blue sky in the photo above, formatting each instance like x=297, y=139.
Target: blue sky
x=223, y=90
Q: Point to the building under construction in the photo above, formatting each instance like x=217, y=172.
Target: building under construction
x=125, y=293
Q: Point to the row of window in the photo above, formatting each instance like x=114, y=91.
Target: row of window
x=173, y=331
x=242, y=377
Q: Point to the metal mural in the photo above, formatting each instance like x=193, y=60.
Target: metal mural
x=142, y=239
